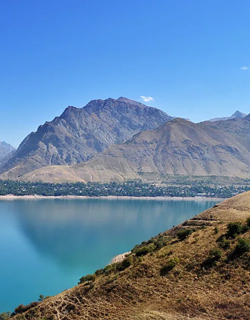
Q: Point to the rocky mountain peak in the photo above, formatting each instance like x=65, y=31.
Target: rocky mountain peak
x=237, y=115
x=80, y=133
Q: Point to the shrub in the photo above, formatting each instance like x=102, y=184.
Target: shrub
x=4, y=315
x=98, y=272
x=171, y=263
x=233, y=229
x=214, y=256
x=248, y=222
x=109, y=268
x=224, y=243
x=216, y=230
x=125, y=263
x=242, y=246
x=183, y=234
x=21, y=308
x=144, y=250
x=87, y=278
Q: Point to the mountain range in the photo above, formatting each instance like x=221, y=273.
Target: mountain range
x=119, y=140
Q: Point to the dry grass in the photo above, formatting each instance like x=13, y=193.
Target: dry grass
x=191, y=290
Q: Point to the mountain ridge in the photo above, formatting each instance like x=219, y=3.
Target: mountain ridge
x=5, y=149
x=236, y=115
x=79, y=133
x=178, y=147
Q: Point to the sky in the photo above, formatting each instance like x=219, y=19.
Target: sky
x=189, y=58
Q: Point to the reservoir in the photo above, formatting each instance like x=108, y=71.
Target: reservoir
x=46, y=245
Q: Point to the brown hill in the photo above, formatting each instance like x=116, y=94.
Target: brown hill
x=198, y=270
x=80, y=133
x=178, y=147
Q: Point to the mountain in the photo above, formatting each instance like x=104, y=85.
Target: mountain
x=236, y=115
x=176, y=148
x=5, y=149
x=198, y=270
x=80, y=133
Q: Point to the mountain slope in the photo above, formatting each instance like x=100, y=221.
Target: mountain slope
x=199, y=273
x=5, y=149
x=236, y=115
x=178, y=147
x=80, y=133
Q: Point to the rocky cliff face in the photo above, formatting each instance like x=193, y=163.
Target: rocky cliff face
x=80, y=133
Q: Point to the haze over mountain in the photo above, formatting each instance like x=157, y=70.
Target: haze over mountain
x=236, y=115
x=178, y=147
x=80, y=133
x=5, y=148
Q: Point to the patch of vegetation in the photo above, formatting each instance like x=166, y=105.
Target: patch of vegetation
x=144, y=250
x=223, y=242
x=5, y=316
x=183, y=234
x=242, y=246
x=87, y=278
x=214, y=256
x=234, y=229
x=22, y=308
x=129, y=188
x=248, y=222
x=127, y=262
x=171, y=263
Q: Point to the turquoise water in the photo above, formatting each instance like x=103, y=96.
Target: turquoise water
x=47, y=245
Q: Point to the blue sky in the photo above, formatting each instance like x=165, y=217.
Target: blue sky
x=188, y=55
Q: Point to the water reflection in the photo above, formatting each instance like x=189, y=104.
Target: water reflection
x=47, y=245
x=73, y=232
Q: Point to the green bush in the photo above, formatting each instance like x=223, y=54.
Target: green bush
x=127, y=262
x=248, y=222
x=144, y=250
x=171, y=263
x=99, y=272
x=4, y=315
x=109, y=268
x=183, y=234
x=215, y=254
x=224, y=243
x=233, y=229
x=242, y=246
x=23, y=308
x=216, y=230
x=87, y=278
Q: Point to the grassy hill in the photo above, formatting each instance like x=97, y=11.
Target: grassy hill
x=197, y=270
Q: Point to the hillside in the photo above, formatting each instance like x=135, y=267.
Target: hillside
x=177, y=148
x=198, y=270
x=80, y=133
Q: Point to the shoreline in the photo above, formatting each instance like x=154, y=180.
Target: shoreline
x=71, y=197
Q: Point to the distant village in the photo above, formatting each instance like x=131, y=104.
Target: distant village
x=130, y=189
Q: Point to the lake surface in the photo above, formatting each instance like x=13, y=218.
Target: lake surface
x=47, y=245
